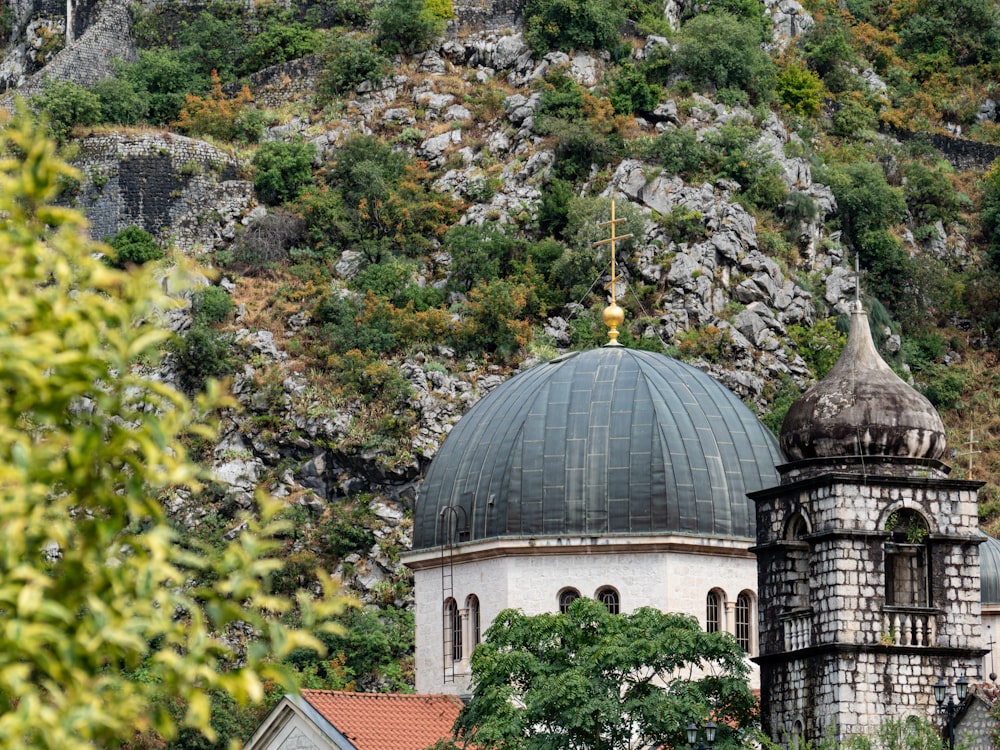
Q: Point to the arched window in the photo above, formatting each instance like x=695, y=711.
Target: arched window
x=714, y=607
x=609, y=598
x=798, y=562
x=452, y=631
x=567, y=597
x=472, y=604
x=907, y=574
x=744, y=620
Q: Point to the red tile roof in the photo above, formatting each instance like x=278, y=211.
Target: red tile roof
x=387, y=721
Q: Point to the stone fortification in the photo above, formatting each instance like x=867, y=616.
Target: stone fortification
x=279, y=84
x=179, y=189
x=102, y=32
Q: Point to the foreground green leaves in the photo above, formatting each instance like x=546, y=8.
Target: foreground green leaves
x=107, y=616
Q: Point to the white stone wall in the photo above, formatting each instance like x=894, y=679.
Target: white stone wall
x=671, y=580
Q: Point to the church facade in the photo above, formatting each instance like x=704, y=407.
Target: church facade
x=612, y=473
x=846, y=562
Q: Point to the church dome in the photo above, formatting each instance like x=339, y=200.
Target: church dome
x=610, y=441
x=862, y=408
x=989, y=569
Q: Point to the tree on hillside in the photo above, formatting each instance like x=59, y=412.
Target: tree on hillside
x=590, y=680
x=109, y=617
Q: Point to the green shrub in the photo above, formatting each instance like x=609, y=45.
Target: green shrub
x=752, y=12
x=562, y=97
x=210, y=306
x=711, y=343
x=349, y=60
x=889, y=265
x=737, y=157
x=494, y=320
x=799, y=90
x=929, y=194
x=407, y=26
x=679, y=152
x=373, y=645
x=214, y=41
x=866, y=200
x=722, y=51
x=630, y=91
x=684, y=225
x=65, y=104
x=787, y=393
x=282, y=169
x=819, y=345
x=966, y=31
x=827, y=50
x=990, y=213
x=361, y=374
x=6, y=22
x=478, y=254
x=347, y=527
x=552, y=210
x=854, y=118
x=944, y=388
x=134, y=246
x=572, y=24
x=280, y=39
x=203, y=353
x=393, y=278
x=579, y=147
x=166, y=76
x=121, y=103
x=366, y=168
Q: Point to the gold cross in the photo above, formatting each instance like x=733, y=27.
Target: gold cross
x=613, y=314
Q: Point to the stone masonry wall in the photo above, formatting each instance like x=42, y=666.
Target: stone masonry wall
x=853, y=693
x=833, y=666
x=280, y=84
x=181, y=190
x=89, y=59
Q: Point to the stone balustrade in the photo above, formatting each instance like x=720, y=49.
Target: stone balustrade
x=908, y=626
x=798, y=629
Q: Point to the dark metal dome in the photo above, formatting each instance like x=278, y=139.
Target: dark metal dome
x=607, y=441
x=989, y=570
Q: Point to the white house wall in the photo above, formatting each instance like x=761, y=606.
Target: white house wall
x=531, y=579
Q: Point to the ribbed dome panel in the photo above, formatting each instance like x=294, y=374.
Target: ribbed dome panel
x=608, y=441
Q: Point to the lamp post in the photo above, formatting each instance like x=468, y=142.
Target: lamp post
x=692, y=736
x=950, y=707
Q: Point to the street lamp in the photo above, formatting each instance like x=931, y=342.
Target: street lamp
x=692, y=736
x=950, y=708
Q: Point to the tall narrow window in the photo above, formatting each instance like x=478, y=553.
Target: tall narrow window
x=907, y=576
x=567, y=597
x=609, y=598
x=798, y=562
x=744, y=612
x=472, y=604
x=452, y=631
x=713, y=612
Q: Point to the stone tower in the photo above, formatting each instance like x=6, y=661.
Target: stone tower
x=867, y=557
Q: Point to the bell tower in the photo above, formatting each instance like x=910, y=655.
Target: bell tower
x=867, y=557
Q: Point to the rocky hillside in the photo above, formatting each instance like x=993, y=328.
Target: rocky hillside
x=386, y=226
